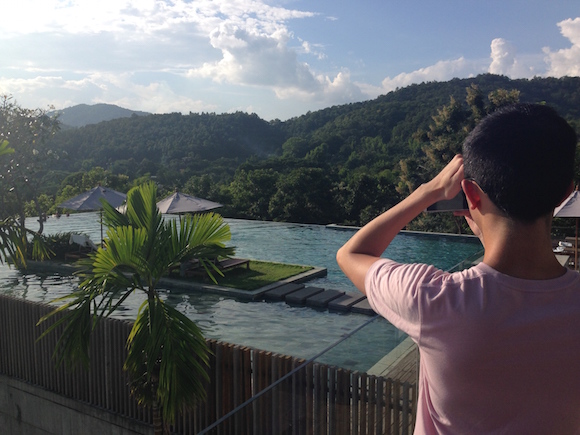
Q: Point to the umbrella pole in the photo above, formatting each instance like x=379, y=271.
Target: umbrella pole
x=101, y=213
x=576, y=248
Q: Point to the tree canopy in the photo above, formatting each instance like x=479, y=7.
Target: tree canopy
x=342, y=164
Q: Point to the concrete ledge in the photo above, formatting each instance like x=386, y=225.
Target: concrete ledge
x=28, y=409
x=390, y=361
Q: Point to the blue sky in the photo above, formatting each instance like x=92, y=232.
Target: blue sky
x=276, y=58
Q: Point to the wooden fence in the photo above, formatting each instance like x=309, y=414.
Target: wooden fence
x=315, y=399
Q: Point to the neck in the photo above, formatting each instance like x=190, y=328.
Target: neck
x=521, y=250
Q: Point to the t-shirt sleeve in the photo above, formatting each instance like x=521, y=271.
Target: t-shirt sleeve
x=394, y=291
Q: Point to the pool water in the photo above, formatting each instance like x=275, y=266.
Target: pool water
x=272, y=326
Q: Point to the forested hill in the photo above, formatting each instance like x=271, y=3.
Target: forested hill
x=177, y=139
x=148, y=143
x=410, y=108
x=342, y=164
x=84, y=114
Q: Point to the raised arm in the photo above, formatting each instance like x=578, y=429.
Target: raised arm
x=367, y=245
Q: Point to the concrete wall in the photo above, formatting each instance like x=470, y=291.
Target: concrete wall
x=28, y=410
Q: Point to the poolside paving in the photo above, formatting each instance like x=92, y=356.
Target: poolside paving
x=322, y=299
x=281, y=292
x=316, y=297
x=345, y=302
x=363, y=307
x=299, y=297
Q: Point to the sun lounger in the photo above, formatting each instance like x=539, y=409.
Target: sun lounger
x=193, y=267
x=85, y=247
x=228, y=263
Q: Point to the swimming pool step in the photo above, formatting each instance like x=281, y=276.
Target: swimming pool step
x=363, y=307
x=321, y=300
x=346, y=302
x=280, y=293
x=316, y=297
x=299, y=297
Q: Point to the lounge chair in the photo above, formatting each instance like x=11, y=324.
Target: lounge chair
x=85, y=247
x=193, y=267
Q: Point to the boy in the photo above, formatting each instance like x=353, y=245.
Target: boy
x=499, y=343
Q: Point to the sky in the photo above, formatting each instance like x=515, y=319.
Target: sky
x=276, y=58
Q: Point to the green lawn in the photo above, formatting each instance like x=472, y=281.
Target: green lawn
x=261, y=273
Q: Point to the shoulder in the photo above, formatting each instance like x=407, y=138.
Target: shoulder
x=385, y=271
x=388, y=282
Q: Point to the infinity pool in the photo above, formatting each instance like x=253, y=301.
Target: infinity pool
x=277, y=327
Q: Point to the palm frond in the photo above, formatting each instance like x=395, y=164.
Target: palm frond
x=113, y=217
x=207, y=228
x=77, y=323
x=142, y=210
x=12, y=242
x=168, y=356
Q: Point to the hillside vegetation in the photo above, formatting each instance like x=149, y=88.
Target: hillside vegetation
x=343, y=164
x=83, y=114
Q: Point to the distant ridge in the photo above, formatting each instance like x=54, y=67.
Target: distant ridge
x=84, y=114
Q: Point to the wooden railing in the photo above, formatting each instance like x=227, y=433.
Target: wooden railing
x=316, y=398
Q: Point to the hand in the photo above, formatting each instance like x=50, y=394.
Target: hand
x=364, y=248
x=448, y=182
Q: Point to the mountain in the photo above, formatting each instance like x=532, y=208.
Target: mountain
x=84, y=114
x=343, y=164
x=342, y=136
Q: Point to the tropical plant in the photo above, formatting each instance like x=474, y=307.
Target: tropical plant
x=13, y=236
x=20, y=181
x=167, y=353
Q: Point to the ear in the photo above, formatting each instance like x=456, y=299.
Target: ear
x=472, y=193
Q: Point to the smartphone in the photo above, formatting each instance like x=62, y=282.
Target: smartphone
x=458, y=203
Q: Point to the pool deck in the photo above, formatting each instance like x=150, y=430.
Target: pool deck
x=401, y=363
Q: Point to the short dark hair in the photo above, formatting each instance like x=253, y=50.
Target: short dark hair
x=522, y=157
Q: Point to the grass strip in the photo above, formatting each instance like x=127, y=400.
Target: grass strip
x=259, y=274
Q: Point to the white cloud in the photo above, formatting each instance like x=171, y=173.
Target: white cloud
x=256, y=48
x=327, y=90
x=171, y=55
x=503, y=57
x=238, y=42
x=262, y=52
x=441, y=71
x=253, y=58
x=566, y=62
x=155, y=97
x=505, y=61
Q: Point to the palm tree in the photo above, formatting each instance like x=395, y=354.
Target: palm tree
x=167, y=353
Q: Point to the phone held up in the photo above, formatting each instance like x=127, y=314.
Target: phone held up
x=458, y=203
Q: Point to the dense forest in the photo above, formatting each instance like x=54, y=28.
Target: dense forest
x=343, y=164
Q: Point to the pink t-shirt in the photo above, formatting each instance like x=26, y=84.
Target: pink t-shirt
x=498, y=354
